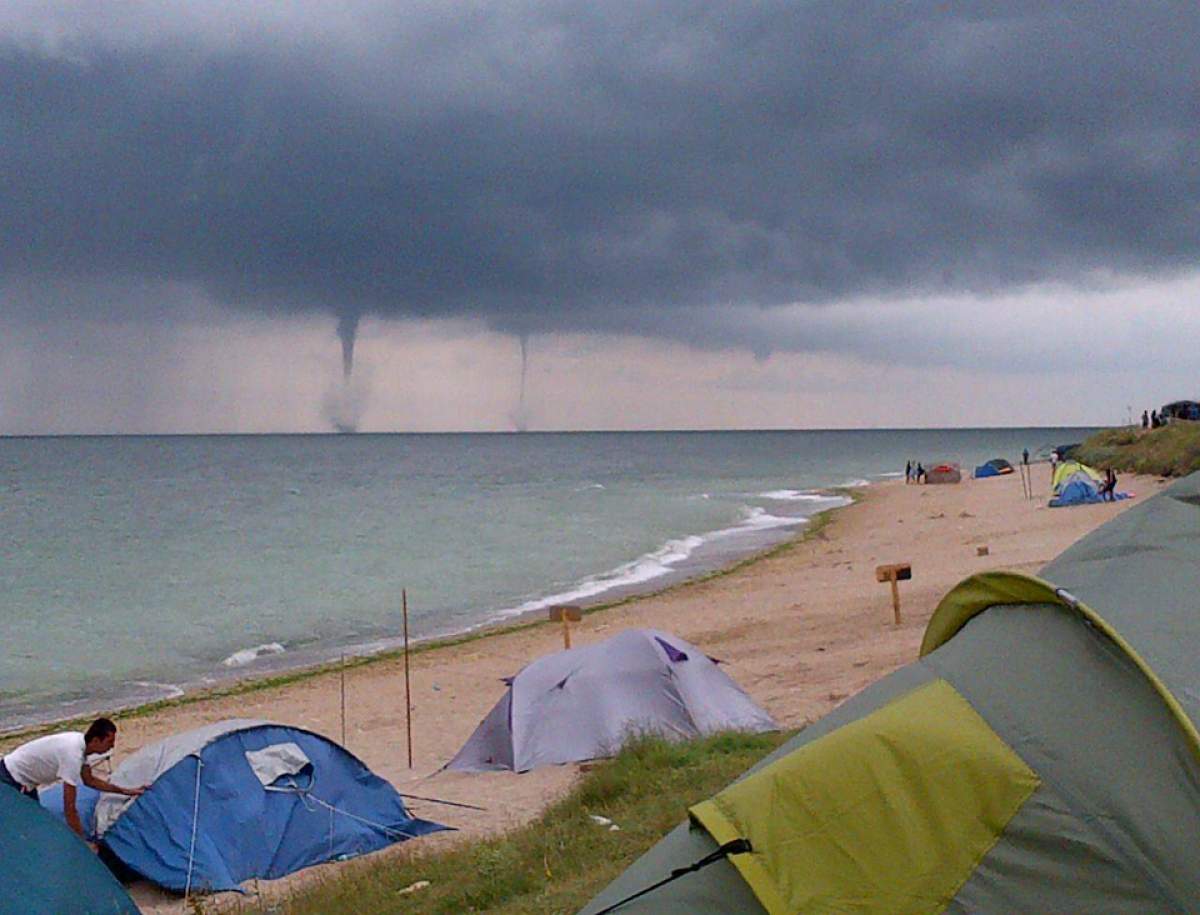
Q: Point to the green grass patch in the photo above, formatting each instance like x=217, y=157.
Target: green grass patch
x=561, y=860
x=1169, y=451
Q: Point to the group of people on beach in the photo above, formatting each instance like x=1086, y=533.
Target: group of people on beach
x=67, y=757
x=914, y=472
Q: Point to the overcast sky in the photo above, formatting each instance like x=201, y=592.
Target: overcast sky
x=579, y=215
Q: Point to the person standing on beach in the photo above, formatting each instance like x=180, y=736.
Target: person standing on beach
x=63, y=757
x=1108, y=492
x=908, y=472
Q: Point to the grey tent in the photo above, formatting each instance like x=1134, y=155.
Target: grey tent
x=1041, y=755
x=582, y=703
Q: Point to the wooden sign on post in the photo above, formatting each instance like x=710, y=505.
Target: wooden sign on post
x=567, y=615
x=899, y=571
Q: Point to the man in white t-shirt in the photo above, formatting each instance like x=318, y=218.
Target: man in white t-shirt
x=63, y=757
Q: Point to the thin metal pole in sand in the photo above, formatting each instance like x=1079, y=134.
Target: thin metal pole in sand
x=407, y=686
x=343, y=673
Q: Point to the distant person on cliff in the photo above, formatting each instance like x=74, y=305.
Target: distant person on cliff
x=63, y=757
x=1145, y=420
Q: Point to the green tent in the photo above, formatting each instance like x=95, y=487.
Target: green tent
x=45, y=869
x=1041, y=755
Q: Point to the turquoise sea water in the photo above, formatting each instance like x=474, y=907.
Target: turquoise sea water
x=133, y=567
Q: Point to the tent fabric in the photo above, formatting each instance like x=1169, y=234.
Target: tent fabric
x=210, y=821
x=1072, y=470
x=274, y=762
x=1074, y=483
x=994, y=468
x=85, y=806
x=932, y=768
x=152, y=760
x=1087, y=674
x=944, y=473
x=46, y=870
x=583, y=703
x=989, y=589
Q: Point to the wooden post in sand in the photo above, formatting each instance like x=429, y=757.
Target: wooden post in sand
x=566, y=615
x=407, y=687
x=900, y=571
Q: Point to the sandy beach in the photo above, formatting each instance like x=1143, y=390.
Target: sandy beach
x=800, y=629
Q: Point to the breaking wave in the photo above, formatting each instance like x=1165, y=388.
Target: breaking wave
x=249, y=655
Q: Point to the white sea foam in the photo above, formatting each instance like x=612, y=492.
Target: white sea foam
x=758, y=519
x=249, y=655
x=670, y=555
x=793, y=495
x=162, y=690
x=645, y=568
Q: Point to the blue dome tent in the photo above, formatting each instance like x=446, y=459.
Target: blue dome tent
x=243, y=799
x=996, y=467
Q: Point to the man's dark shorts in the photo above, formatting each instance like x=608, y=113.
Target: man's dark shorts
x=6, y=778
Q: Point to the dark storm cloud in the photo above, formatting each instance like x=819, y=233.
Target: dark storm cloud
x=556, y=166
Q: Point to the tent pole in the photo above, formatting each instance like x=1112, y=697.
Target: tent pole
x=407, y=687
x=343, y=673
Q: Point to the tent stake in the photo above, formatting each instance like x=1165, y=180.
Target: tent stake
x=343, y=673
x=407, y=687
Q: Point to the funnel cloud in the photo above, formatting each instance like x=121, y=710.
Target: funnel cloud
x=520, y=416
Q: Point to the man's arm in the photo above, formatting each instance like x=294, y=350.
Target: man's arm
x=95, y=781
x=69, y=811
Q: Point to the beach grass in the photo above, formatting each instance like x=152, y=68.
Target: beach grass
x=559, y=861
x=1169, y=451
